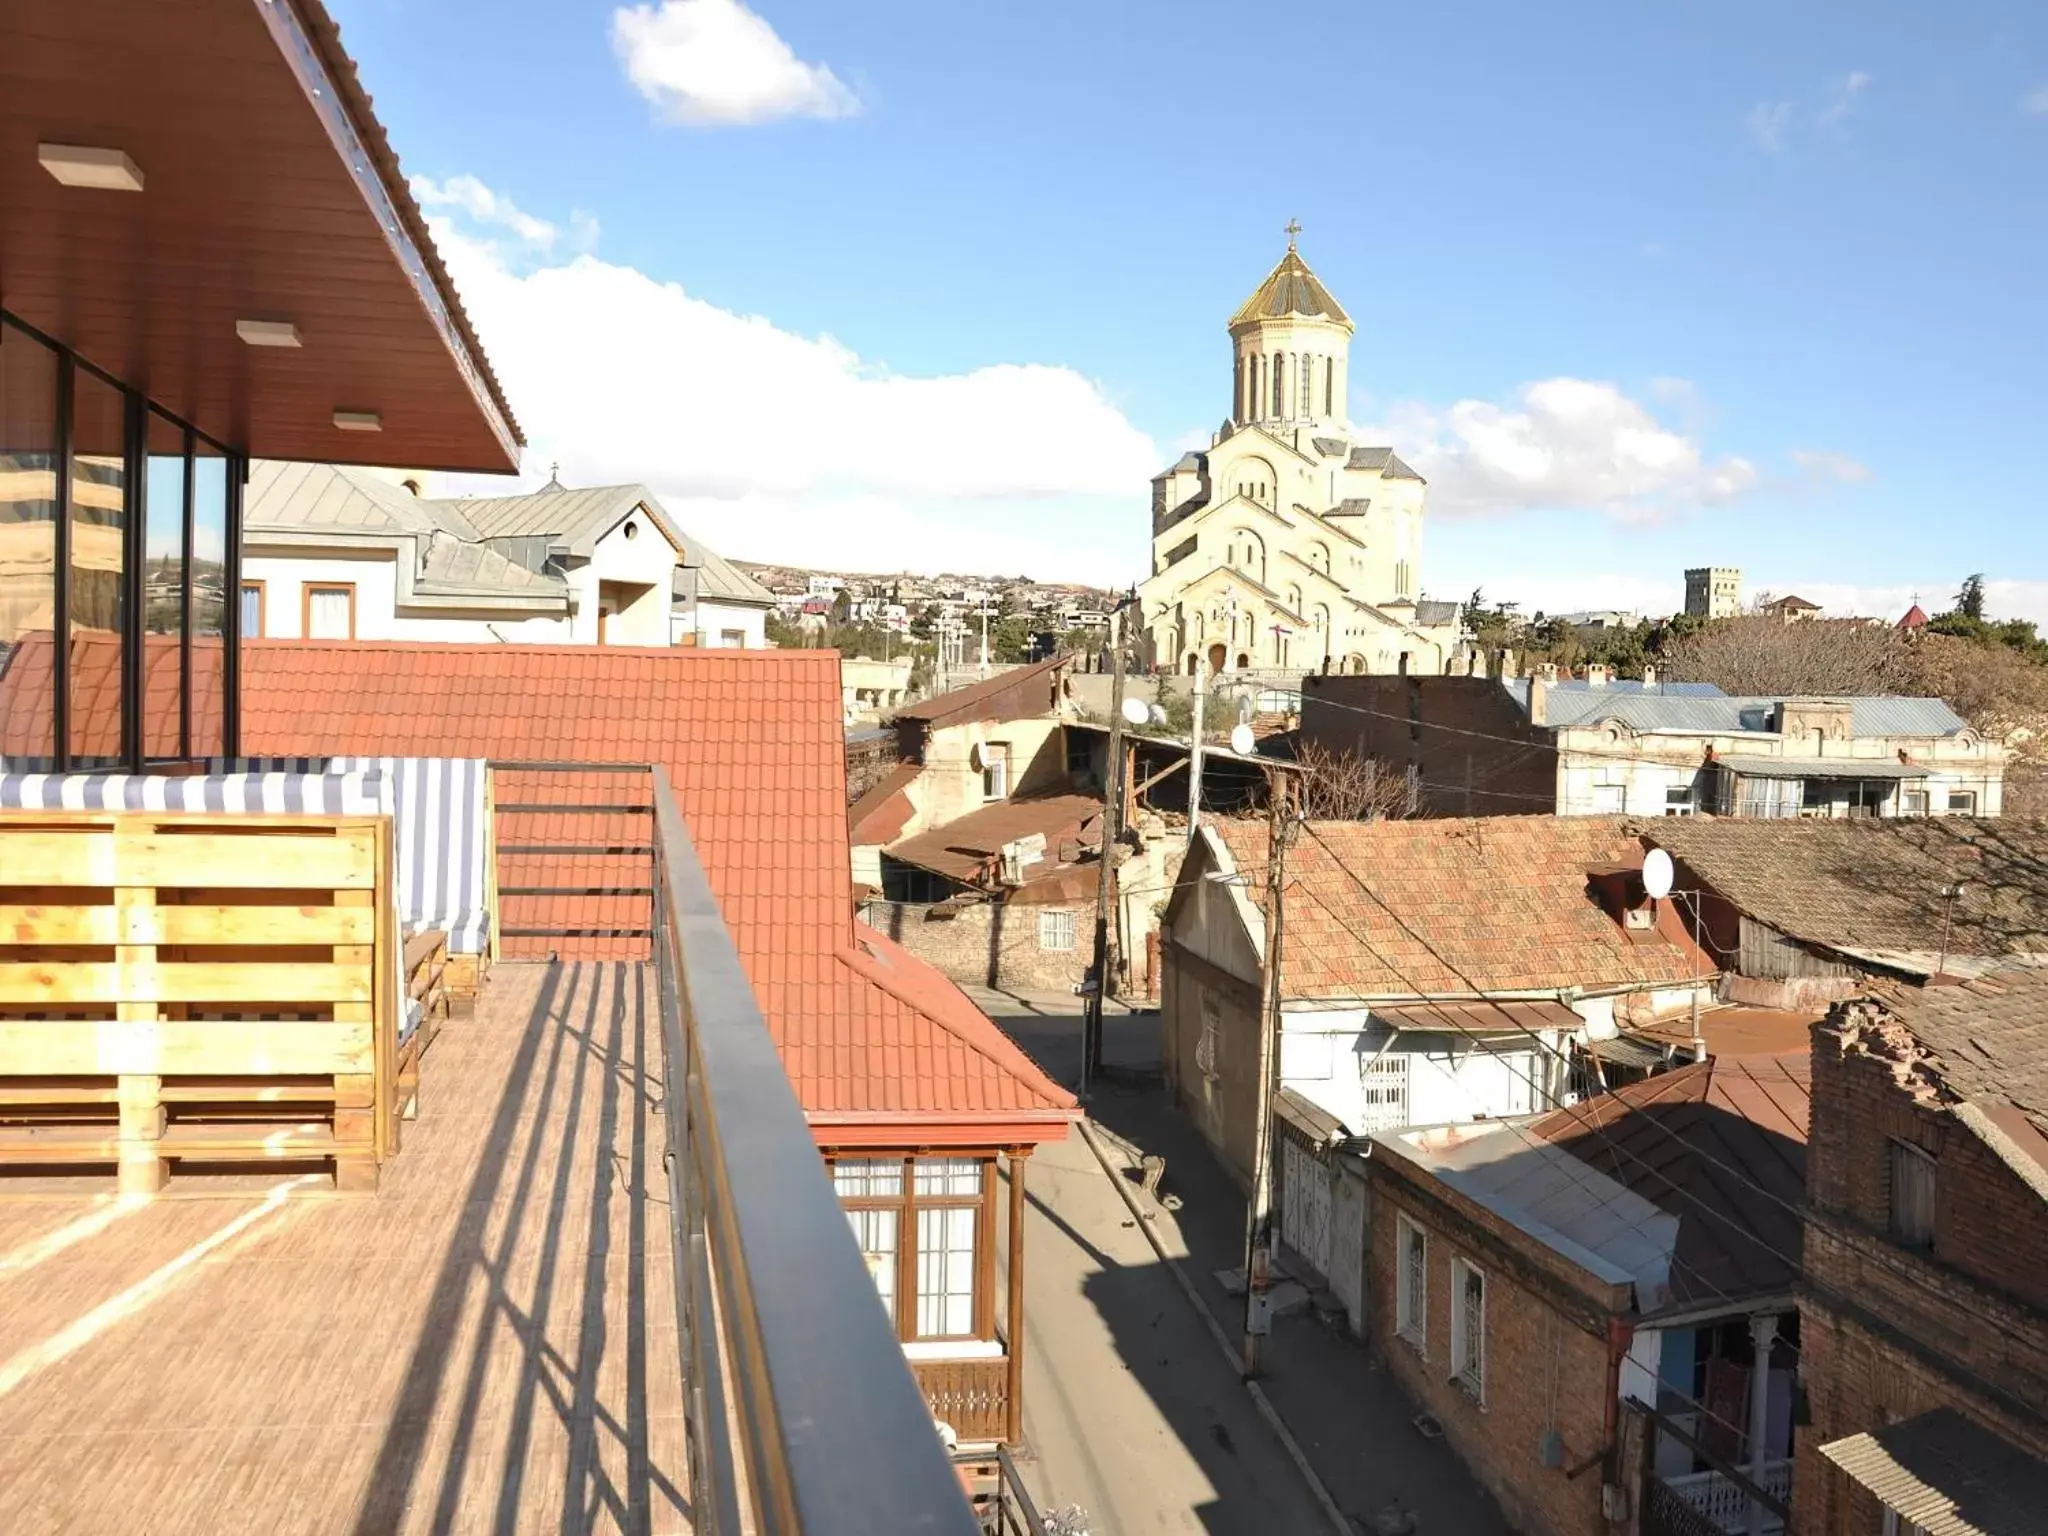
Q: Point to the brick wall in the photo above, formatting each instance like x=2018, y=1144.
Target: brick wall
x=1424, y=722
x=991, y=944
x=868, y=760
x=1547, y=1362
x=1888, y=1332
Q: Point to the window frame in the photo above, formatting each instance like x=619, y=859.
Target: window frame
x=1468, y=1356
x=907, y=1204
x=1072, y=930
x=306, y=591
x=1411, y=1312
x=1905, y=1154
x=1969, y=805
x=261, y=587
x=995, y=760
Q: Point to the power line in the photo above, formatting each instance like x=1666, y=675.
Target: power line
x=1798, y=1212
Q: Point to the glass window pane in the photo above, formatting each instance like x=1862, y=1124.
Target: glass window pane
x=875, y=1231
x=948, y=1176
x=28, y=550
x=163, y=593
x=209, y=597
x=869, y=1177
x=99, y=616
x=330, y=613
x=945, y=1273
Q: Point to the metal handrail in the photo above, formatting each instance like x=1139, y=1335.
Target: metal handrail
x=802, y=1414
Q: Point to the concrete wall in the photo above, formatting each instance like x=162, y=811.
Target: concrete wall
x=714, y=624
x=951, y=784
x=1887, y=1332
x=1324, y=1055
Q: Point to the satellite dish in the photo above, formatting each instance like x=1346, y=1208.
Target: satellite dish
x=1241, y=740
x=1244, y=709
x=1158, y=714
x=1657, y=873
x=1136, y=712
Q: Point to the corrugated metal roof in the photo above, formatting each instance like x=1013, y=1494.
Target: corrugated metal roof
x=1753, y=767
x=575, y=518
x=1948, y=1475
x=718, y=578
x=449, y=562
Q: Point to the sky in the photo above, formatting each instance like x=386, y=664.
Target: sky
x=922, y=286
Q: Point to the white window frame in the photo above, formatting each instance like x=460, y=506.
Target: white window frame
x=1411, y=1285
x=1056, y=930
x=1968, y=797
x=995, y=771
x=1915, y=802
x=1468, y=1344
x=1383, y=1080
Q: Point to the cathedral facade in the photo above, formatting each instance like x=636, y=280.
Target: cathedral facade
x=1289, y=545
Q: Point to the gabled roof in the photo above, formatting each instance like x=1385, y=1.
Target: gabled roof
x=718, y=578
x=1663, y=1137
x=335, y=498
x=1792, y=600
x=1487, y=904
x=1914, y=617
x=1390, y=464
x=1876, y=884
x=575, y=519
x=1290, y=289
x=964, y=848
x=753, y=745
x=880, y=815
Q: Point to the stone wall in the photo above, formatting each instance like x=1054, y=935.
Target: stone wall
x=990, y=944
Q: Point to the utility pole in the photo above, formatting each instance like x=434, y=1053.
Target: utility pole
x=1258, y=1227
x=1195, y=748
x=1105, y=880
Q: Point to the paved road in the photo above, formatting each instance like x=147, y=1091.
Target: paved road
x=1129, y=1408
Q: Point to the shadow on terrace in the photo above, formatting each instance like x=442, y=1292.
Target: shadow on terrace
x=602, y=1285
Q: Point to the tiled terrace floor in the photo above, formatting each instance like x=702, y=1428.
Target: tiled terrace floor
x=486, y=1344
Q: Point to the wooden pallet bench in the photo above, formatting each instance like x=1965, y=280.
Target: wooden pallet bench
x=199, y=989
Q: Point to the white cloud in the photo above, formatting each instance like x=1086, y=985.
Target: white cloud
x=772, y=444
x=1768, y=122
x=470, y=196
x=1819, y=464
x=714, y=62
x=1562, y=444
x=1843, y=95
x=2035, y=101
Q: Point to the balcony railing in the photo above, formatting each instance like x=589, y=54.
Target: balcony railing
x=802, y=1414
x=1726, y=1503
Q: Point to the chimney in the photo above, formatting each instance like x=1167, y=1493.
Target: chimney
x=1539, y=701
x=1649, y=677
x=1598, y=675
x=1547, y=671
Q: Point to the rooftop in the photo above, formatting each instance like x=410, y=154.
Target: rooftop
x=1703, y=709
x=1700, y=1142
x=1496, y=904
x=1873, y=888
x=752, y=742
x=1989, y=1036
x=964, y=848
x=1290, y=289
x=1017, y=693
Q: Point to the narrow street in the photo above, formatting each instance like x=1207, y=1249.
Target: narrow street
x=1131, y=1410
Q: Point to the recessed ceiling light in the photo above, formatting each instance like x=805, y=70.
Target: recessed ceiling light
x=268, y=333
x=359, y=421
x=82, y=165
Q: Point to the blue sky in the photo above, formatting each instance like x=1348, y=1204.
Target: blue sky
x=941, y=285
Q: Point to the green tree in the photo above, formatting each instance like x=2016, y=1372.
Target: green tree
x=1970, y=597
x=1009, y=638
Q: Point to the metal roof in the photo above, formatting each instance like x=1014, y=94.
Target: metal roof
x=1751, y=767
x=1948, y=1475
x=1702, y=708
x=577, y=519
x=1290, y=289
x=332, y=497
x=718, y=578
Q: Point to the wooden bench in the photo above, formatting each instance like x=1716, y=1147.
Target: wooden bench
x=198, y=989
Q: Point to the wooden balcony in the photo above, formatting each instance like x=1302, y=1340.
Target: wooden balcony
x=970, y=1395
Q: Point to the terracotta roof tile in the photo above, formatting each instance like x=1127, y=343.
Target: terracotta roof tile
x=1492, y=904
x=753, y=744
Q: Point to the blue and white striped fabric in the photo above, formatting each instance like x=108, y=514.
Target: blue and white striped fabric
x=438, y=814
x=357, y=792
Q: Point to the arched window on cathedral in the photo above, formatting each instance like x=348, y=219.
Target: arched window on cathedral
x=1293, y=599
x=1308, y=384
x=1319, y=556
x=1279, y=379
x=1329, y=386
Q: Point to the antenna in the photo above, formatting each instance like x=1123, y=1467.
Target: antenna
x=1242, y=742
x=1657, y=874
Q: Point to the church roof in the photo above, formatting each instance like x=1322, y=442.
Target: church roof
x=1290, y=289
x=1385, y=460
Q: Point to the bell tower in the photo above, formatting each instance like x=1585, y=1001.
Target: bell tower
x=1291, y=346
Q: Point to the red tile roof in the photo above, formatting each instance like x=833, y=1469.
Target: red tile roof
x=26, y=695
x=880, y=815
x=753, y=744
x=1719, y=1144
x=1490, y=904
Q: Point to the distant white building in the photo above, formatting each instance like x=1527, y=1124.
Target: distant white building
x=1713, y=592
x=338, y=553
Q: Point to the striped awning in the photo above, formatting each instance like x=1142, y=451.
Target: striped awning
x=1948, y=1476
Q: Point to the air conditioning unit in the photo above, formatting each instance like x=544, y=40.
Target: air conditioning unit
x=1012, y=868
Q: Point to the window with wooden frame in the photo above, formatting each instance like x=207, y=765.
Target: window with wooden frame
x=1468, y=1329
x=329, y=611
x=253, y=600
x=926, y=1226
x=1411, y=1283
x=1912, y=1195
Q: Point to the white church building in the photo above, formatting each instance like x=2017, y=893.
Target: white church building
x=1288, y=544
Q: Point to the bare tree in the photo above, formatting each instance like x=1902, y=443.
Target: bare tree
x=1343, y=786
x=1758, y=655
